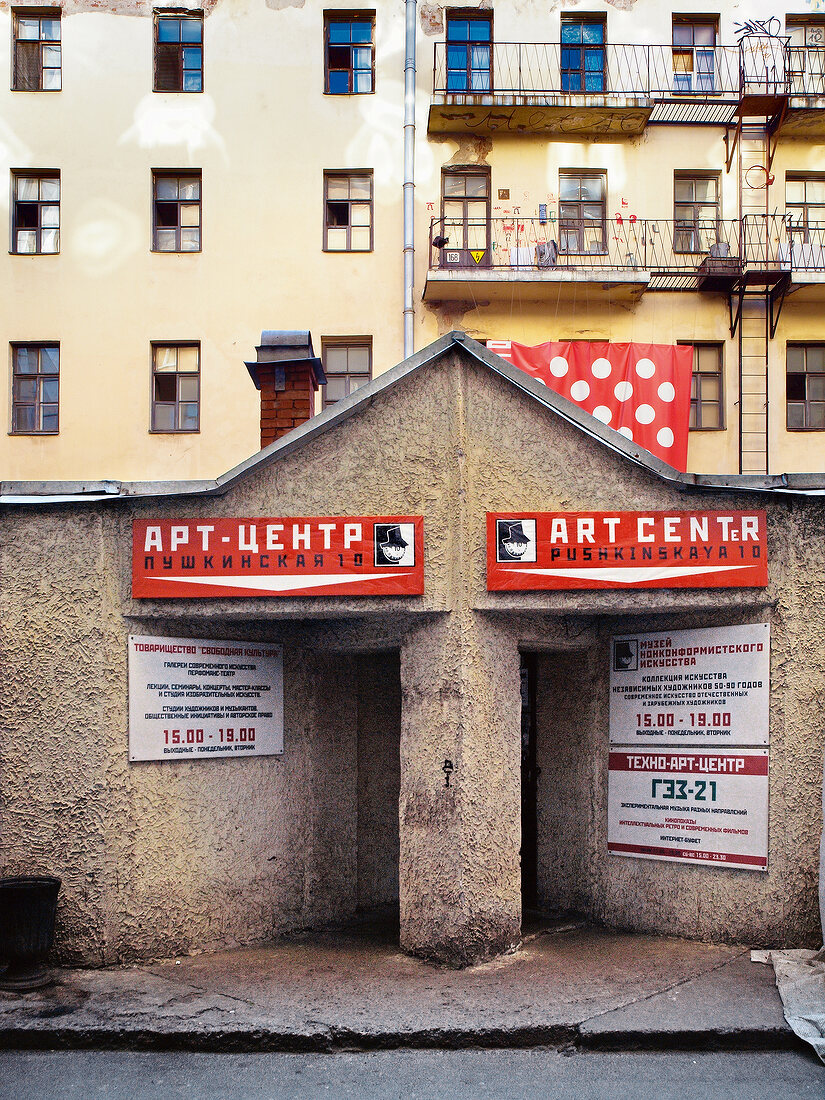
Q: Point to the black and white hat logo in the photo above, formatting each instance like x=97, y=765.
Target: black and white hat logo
x=515, y=540
x=626, y=655
x=394, y=543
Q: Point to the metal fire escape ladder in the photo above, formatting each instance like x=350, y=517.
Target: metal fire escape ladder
x=757, y=296
x=751, y=320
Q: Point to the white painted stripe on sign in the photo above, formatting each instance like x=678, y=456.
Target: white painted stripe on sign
x=630, y=575
x=281, y=584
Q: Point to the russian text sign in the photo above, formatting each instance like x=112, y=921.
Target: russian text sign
x=699, y=687
x=280, y=556
x=193, y=698
x=689, y=807
x=560, y=550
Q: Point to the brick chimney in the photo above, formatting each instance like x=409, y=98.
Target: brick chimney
x=287, y=373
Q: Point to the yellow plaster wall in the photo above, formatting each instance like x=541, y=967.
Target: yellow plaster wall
x=262, y=134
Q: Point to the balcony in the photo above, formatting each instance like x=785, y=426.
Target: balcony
x=482, y=262
x=805, y=81
x=535, y=88
x=553, y=261
x=778, y=252
x=555, y=88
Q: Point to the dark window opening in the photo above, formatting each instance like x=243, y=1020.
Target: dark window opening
x=37, y=59
x=176, y=210
x=349, y=53
x=348, y=212
x=175, y=387
x=805, y=387
x=35, y=213
x=347, y=366
x=707, y=407
x=178, y=53
x=35, y=389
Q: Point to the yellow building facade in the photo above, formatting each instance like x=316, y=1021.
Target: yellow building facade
x=179, y=181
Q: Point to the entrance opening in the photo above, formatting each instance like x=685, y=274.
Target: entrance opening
x=556, y=788
x=379, y=788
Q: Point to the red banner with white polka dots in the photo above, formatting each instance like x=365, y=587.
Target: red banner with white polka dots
x=641, y=391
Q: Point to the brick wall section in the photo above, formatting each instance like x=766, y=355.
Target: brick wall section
x=283, y=410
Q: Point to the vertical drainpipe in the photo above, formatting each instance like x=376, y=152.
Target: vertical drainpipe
x=409, y=175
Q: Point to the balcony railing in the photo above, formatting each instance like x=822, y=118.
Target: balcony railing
x=806, y=71
x=540, y=69
x=669, y=250
x=779, y=242
x=537, y=73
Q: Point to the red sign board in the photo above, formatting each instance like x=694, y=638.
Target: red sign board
x=529, y=551
x=278, y=556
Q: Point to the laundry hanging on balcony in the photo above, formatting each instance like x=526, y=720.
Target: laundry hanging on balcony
x=639, y=390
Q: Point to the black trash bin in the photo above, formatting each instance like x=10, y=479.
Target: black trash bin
x=27, y=908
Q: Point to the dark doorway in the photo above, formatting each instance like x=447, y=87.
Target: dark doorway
x=529, y=784
x=379, y=784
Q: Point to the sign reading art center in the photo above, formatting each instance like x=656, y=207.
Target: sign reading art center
x=191, y=698
x=557, y=550
x=709, y=807
x=699, y=687
x=281, y=556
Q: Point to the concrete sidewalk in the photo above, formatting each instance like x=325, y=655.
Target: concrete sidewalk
x=569, y=985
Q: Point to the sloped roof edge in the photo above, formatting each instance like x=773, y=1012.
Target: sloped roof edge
x=55, y=492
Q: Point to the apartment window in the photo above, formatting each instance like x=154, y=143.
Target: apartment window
x=347, y=365
x=583, y=54
x=349, y=53
x=707, y=409
x=176, y=387
x=35, y=388
x=694, y=55
x=465, y=217
x=469, y=55
x=805, y=386
x=348, y=211
x=176, y=212
x=582, y=212
x=696, y=211
x=37, y=59
x=35, y=212
x=805, y=205
x=178, y=53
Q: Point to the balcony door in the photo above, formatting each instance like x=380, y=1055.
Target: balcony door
x=696, y=215
x=582, y=54
x=694, y=56
x=582, y=212
x=806, y=56
x=465, y=214
x=469, y=52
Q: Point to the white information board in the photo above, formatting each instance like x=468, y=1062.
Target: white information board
x=193, y=698
x=688, y=807
x=699, y=687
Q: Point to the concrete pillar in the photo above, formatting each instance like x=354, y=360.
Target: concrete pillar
x=460, y=883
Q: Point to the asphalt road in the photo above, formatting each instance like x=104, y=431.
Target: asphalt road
x=410, y=1075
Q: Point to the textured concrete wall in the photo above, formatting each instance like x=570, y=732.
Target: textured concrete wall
x=165, y=857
